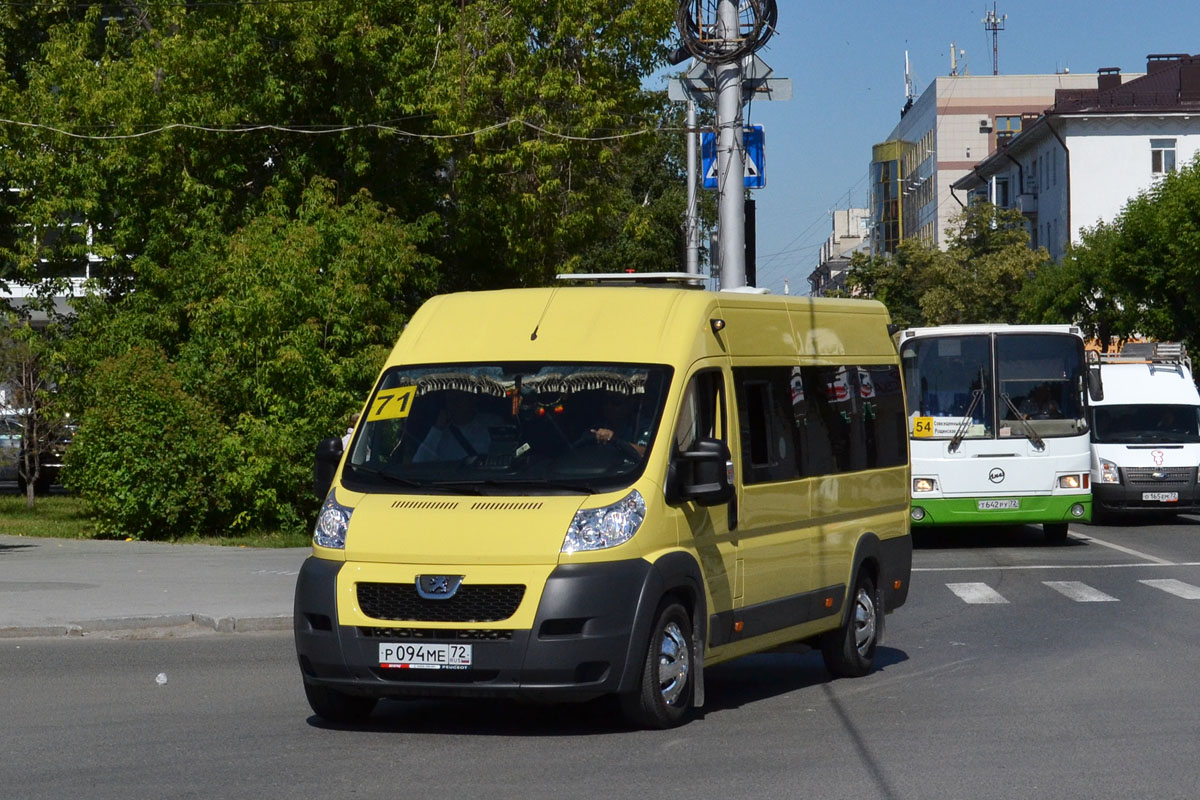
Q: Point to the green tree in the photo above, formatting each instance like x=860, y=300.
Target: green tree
x=273, y=188
x=977, y=278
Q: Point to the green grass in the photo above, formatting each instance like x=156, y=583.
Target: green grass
x=62, y=516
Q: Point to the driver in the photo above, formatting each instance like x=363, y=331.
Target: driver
x=618, y=424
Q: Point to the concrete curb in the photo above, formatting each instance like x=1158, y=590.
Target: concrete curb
x=169, y=624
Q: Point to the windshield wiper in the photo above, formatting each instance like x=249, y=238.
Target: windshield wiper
x=1029, y=431
x=965, y=424
x=399, y=480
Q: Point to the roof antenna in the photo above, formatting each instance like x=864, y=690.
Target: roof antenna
x=549, y=300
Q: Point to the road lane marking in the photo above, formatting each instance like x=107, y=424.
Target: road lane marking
x=1177, y=588
x=1009, y=567
x=976, y=593
x=1080, y=592
x=1125, y=550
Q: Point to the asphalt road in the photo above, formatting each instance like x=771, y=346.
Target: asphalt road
x=1015, y=670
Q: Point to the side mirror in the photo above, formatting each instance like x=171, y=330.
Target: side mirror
x=702, y=474
x=1095, y=385
x=329, y=453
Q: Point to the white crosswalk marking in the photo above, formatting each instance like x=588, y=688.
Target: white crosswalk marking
x=1177, y=588
x=976, y=593
x=1080, y=592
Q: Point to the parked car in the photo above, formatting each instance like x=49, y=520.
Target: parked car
x=50, y=461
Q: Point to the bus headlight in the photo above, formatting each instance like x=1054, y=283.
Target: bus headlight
x=924, y=485
x=1072, y=482
x=1109, y=472
x=598, y=528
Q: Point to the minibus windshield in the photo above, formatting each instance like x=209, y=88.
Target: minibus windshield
x=1146, y=424
x=507, y=428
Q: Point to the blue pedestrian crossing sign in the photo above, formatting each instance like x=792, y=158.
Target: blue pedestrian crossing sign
x=754, y=141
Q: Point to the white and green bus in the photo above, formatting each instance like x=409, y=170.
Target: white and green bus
x=999, y=426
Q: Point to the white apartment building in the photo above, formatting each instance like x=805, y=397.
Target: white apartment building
x=1079, y=163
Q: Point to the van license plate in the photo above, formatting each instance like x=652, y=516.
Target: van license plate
x=1160, y=497
x=425, y=656
x=993, y=505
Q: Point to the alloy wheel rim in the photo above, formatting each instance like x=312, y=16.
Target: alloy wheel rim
x=674, y=663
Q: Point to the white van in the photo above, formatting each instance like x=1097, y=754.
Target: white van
x=1146, y=431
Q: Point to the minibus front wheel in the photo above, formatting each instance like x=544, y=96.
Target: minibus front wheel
x=338, y=707
x=664, y=694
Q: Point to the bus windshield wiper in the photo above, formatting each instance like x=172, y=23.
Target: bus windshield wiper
x=1029, y=431
x=965, y=424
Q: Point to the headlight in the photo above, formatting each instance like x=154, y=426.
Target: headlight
x=331, y=524
x=924, y=485
x=598, y=528
x=1109, y=472
x=1071, y=482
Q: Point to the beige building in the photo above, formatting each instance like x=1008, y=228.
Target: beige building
x=851, y=227
x=954, y=124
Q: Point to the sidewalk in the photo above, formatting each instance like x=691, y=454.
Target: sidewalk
x=60, y=587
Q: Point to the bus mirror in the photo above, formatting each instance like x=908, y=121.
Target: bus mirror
x=1095, y=384
x=702, y=473
x=329, y=453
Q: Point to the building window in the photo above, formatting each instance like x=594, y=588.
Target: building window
x=1001, y=198
x=1007, y=127
x=1162, y=156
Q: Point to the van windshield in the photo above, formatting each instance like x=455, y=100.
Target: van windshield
x=1149, y=424
x=517, y=428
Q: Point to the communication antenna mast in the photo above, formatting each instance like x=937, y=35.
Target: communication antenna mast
x=995, y=24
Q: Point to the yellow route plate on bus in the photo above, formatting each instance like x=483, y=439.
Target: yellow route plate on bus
x=922, y=427
x=392, y=403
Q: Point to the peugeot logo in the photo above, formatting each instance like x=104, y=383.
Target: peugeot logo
x=438, y=587
x=996, y=475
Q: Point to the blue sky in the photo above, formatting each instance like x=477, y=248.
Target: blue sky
x=846, y=62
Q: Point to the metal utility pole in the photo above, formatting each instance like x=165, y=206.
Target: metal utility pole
x=693, y=215
x=731, y=154
x=995, y=24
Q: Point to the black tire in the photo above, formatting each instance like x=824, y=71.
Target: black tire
x=849, y=651
x=663, y=698
x=338, y=707
x=1056, y=533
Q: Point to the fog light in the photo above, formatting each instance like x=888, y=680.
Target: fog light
x=1077, y=510
x=918, y=513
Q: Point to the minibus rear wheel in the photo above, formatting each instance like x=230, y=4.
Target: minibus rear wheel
x=664, y=694
x=849, y=651
x=338, y=707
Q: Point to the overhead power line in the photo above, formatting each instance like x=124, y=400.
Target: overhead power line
x=326, y=130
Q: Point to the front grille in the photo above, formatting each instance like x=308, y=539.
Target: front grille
x=471, y=603
x=438, y=634
x=1144, y=476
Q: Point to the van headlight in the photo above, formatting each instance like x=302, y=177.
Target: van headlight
x=332, y=523
x=598, y=528
x=1109, y=472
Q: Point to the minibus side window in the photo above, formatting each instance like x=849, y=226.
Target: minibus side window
x=765, y=403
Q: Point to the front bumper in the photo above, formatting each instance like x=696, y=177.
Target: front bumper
x=581, y=643
x=1031, y=510
x=1123, y=497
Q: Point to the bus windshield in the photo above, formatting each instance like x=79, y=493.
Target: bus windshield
x=508, y=427
x=995, y=385
x=949, y=379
